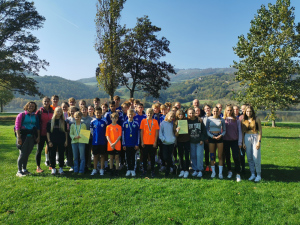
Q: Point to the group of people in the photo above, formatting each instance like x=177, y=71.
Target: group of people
x=120, y=134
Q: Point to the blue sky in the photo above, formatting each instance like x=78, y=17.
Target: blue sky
x=201, y=33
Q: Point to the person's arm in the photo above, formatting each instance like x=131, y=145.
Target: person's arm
x=207, y=128
x=110, y=143
x=142, y=142
x=161, y=133
x=156, y=137
x=239, y=133
x=49, y=140
x=72, y=132
x=257, y=120
x=243, y=135
x=19, y=139
x=223, y=127
x=204, y=136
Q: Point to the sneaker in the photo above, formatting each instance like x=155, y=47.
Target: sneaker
x=20, y=174
x=229, y=174
x=128, y=173
x=199, y=174
x=207, y=169
x=195, y=173
x=152, y=174
x=57, y=162
x=26, y=172
x=257, y=179
x=252, y=177
x=213, y=175
x=71, y=169
x=47, y=163
x=61, y=171
x=94, y=172
x=50, y=168
x=181, y=173
x=133, y=173
x=39, y=170
x=220, y=176
x=210, y=170
x=101, y=172
x=53, y=171
x=238, y=178
x=186, y=174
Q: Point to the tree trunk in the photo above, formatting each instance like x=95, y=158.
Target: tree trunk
x=273, y=116
x=131, y=93
x=1, y=106
x=273, y=123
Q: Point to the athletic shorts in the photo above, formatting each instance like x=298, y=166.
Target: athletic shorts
x=215, y=141
x=114, y=152
x=99, y=149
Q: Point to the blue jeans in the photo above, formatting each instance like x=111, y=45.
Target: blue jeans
x=79, y=150
x=197, y=156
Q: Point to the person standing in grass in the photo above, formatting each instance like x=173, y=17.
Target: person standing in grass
x=54, y=100
x=207, y=110
x=27, y=128
x=167, y=137
x=65, y=107
x=149, y=135
x=57, y=139
x=232, y=139
x=198, y=135
x=130, y=141
x=45, y=114
x=91, y=111
x=252, y=133
x=216, y=129
x=78, y=146
x=69, y=152
x=99, y=142
x=113, y=135
x=183, y=143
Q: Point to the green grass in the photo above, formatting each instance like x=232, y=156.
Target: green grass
x=74, y=199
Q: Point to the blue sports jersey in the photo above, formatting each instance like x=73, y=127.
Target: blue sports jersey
x=161, y=118
x=139, y=118
x=130, y=134
x=156, y=117
x=98, y=129
x=108, y=119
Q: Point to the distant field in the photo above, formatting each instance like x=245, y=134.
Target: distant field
x=74, y=199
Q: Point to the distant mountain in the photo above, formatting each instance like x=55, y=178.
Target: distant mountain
x=181, y=74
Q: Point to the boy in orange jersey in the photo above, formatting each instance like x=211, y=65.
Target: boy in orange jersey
x=113, y=135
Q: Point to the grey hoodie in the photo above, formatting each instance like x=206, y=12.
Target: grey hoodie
x=166, y=133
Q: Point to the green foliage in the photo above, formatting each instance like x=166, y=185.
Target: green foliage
x=268, y=59
x=5, y=97
x=109, y=34
x=18, y=46
x=141, y=51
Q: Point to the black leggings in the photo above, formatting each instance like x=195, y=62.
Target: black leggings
x=130, y=157
x=184, y=149
x=167, y=154
x=52, y=154
x=148, y=149
x=235, y=154
x=39, y=150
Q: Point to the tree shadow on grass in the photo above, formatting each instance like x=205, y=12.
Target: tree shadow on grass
x=278, y=137
x=280, y=173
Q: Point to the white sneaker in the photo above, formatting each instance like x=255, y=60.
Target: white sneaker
x=171, y=169
x=57, y=162
x=195, y=173
x=133, y=173
x=94, y=172
x=127, y=173
x=199, y=174
x=181, y=173
x=101, y=172
x=220, y=176
x=213, y=175
x=186, y=174
x=61, y=171
x=229, y=174
x=252, y=177
x=257, y=179
x=53, y=171
x=238, y=178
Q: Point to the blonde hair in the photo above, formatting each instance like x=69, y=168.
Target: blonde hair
x=231, y=114
x=78, y=113
x=169, y=114
x=61, y=120
x=114, y=115
x=178, y=112
x=70, y=110
x=150, y=110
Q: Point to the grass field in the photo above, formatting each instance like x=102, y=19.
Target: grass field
x=74, y=199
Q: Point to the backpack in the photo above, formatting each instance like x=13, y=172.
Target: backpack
x=23, y=118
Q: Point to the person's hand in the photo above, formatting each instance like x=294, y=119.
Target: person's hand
x=258, y=145
x=112, y=146
x=50, y=144
x=19, y=141
x=201, y=142
x=136, y=147
x=124, y=148
x=66, y=143
x=77, y=137
x=240, y=146
x=143, y=145
x=154, y=145
x=219, y=137
x=37, y=140
x=178, y=129
x=199, y=120
x=244, y=146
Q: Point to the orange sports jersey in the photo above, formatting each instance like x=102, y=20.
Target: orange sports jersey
x=52, y=107
x=149, y=137
x=113, y=132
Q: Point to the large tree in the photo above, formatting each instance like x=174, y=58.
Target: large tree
x=141, y=51
x=109, y=33
x=18, y=46
x=5, y=97
x=269, y=59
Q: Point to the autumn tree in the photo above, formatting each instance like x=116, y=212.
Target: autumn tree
x=269, y=59
x=109, y=33
x=141, y=51
x=18, y=46
x=5, y=97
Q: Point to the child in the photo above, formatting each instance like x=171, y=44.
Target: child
x=97, y=103
x=198, y=135
x=117, y=102
x=57, y=139
x=69, y=152
x=72, y=102
x=65, y=107
x=125, y=107
x=77, y=146
x=183, y=143
x=166, y=135
x=156, y=114
x=99, y=143
x=131, y=141
x=54, y=100
x=112, y=106
x=113, y=135
x=86, y=119
x=82, y=103
x=149, y=135
x=163, y=110
x=104, y=108
x=91, y=111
